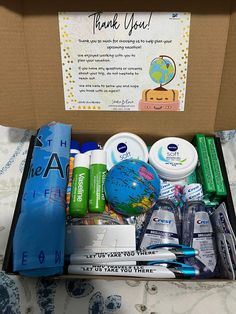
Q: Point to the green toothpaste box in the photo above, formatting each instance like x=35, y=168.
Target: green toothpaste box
x=204, y=169
x=216, y=169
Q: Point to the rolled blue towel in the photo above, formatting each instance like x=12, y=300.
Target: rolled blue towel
x=38, y=244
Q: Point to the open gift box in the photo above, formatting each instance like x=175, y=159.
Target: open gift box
x=32, y=85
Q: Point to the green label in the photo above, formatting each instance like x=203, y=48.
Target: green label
x=79, y=191
x=96, y=188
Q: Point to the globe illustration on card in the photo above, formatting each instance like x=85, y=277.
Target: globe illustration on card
x=162, y=71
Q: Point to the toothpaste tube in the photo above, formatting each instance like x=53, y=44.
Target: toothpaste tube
x=193, y=192
x=167, y=191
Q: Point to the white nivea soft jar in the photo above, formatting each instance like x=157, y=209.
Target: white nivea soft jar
x=173, y=158
x=123, y=146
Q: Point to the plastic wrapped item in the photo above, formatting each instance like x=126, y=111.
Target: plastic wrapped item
x=197, y=232
x=162, y=225
x=139, y=223
x=110, y=211
x=93, y=219
x=38, y=244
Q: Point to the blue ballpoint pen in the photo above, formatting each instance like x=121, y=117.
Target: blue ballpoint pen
x=179, y=250
x=156, y=271
x=180, y=270
x=159, y=252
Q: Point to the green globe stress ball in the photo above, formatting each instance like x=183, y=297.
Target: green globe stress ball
x=132, y=187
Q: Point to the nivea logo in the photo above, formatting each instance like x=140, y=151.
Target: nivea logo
x=202, y=221
x=162, y=221
x=122, y=147
x=172, y=147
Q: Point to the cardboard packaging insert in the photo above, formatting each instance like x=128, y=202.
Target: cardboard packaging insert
x=31, y=87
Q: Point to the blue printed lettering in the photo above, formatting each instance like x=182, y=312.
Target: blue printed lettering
x=54, y=158
x=24, y=197
x=46, y=192
x=38, y=171
x=63, y=143
x=24, y=258
x=57, y=257
x=41, y=257
x=49, y=142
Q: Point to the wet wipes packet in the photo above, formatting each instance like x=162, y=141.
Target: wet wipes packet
x=226, y=241
x=231, y=247
x=221, y=221
x=227, y=268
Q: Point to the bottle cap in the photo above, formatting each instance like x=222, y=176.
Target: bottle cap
x=74, y=152
x=82, y=160
x=74, y=144
x=99, y=156
x=88, y=146
x=123, y=146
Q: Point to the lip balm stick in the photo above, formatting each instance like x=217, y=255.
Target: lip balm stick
x=98, y=171
x=80, y=186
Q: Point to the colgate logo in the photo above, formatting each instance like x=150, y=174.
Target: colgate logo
x=202, y=222
x=161, y=221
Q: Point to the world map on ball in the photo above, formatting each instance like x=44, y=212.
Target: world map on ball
x=132, y=187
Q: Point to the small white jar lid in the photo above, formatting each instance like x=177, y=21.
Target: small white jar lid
x=174, y=158
x=123, y=146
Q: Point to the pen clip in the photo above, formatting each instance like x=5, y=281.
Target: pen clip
x=169, y=264
x=168, y=245
x=179, y=269
x=179, y=250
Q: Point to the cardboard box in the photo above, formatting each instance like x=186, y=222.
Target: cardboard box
x=31, y=86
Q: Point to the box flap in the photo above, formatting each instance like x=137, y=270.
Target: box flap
x=42, y=82
x=226, y=111
x=15, y=90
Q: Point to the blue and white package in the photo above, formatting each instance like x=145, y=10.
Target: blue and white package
x=162, y=225
x=198, y=233
x=38, y=244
